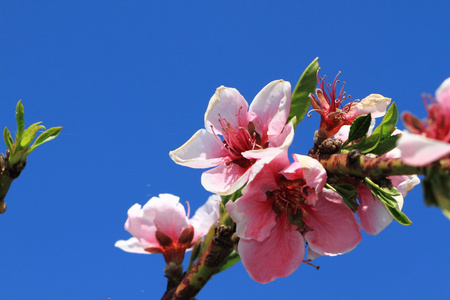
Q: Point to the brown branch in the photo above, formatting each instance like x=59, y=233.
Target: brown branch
x=7, y=174
x=214, y=256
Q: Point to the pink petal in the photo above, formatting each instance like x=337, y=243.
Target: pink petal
x=342, y=134
x=372, y=213
x=206, y=216
x=418, y=150
x=277, y=256
x=133, y=246
x=225, y=179
x=335, y=230
x=283, y=140
x=253, y=212
x=228, y=104
x=202, y=150
x=270, y=108
x=313, y=172
x=277, y=145
x=253, y=215
x=443, y=93
x=404, y=183
x=141, y=226
x=169, y=215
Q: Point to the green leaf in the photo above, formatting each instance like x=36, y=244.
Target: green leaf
x=8, y=139
x=386, y=145
x=300, y=97
x=399, y=216
x=46, y=136
x=389, y=122
x=233, y=259
x=30, y=134
x=20, y=119
x=381, y=138
x=359, y=129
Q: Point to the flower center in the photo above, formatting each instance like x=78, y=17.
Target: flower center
x=238, y=139
x=438, y=126
x=290, y=197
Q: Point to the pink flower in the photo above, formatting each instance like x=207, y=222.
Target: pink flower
x=282, y=207
x=161, y=226
x=429, y=141
x=333, y=116
x=247, y=136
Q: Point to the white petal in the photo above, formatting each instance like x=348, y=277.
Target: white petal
x=202, y=150
x=373, y=104
x=132, y=246
x=206, y=216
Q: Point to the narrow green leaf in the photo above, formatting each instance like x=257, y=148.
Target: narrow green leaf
x=46, y=136
x=233, y=259
x=399, y=216
x=8, y=139
x=300, y=97
x=20, y=119
x=359, y=129
x=29, y=134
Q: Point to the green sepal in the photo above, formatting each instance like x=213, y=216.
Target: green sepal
x=8, y=139
x=300, y=97
x=20, y=119
x=359, y=129
x=348, y=193
x=233, y=259
x=386, y=196
x=46, y=136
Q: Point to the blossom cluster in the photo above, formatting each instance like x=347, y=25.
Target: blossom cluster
x=288, y=212
x=285, y=209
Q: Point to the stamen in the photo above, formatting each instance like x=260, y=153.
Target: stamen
x=189, y=209
x=308, y=262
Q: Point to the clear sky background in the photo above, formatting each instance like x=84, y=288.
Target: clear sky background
x=130, y=80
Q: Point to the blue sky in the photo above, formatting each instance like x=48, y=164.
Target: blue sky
x=130, y=80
